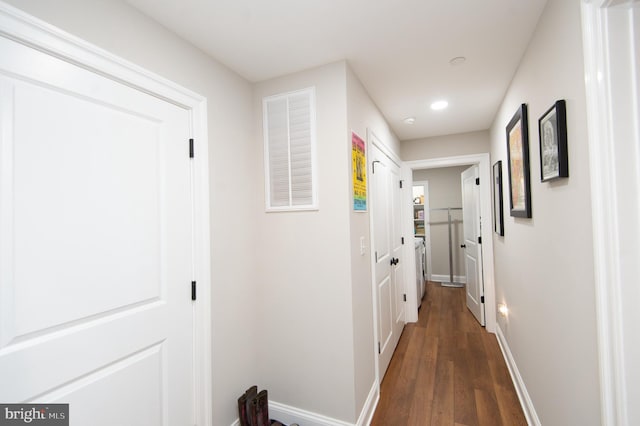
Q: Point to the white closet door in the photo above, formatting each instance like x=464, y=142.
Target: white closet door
x=385, y=205
x=96, y=248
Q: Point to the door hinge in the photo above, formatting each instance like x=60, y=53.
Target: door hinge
x=404, y=296
x=402, y=240
x=477, y=181
x=193, y=290
x=376, y=256
x=400, y=184
x=379, y=351
x=191, y=148
x=481, y=299
x=373, y=166
x=479, y=240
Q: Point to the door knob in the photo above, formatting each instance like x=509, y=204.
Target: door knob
x=463, y=246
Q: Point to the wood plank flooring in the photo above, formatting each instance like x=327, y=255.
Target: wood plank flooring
x=447, y=370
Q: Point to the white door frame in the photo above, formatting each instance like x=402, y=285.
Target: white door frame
x=611, y=40
x=483, y=162
x=33, y=32
x=427, y=219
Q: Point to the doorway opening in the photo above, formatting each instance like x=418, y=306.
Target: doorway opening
x=442, y=227
x=485, y=226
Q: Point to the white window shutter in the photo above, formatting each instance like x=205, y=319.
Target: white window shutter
x=278, y=143
x=289, y=128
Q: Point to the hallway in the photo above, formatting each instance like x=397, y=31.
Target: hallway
x=447, y=370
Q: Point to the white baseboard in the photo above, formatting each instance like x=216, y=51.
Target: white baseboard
x=369, y=406
x=287, y=414
x=521, y=389
x=445, y=278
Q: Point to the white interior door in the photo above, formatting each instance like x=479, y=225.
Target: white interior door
x=472, y=246
x=386, y=203
x=96, y=250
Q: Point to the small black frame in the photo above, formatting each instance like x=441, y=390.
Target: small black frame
x=498, y=205
x=518, y=164
x=552, y=131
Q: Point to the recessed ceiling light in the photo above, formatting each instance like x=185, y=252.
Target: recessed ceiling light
x=438, y=105
x=409, y=120
x=458, y=60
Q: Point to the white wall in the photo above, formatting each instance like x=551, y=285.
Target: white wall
x=315, y=287
x=543, y=265
x=120, y=29
x=306, y=353
x=445, y=190
x=445, y=146
x=363, y=115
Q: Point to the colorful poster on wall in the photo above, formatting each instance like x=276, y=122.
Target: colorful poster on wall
x=359, y=169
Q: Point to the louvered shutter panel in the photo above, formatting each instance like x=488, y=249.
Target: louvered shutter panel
x=278, y=142
x=289, y=148
x=300, y=146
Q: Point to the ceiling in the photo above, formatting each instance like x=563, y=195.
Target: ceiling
x=400, y=49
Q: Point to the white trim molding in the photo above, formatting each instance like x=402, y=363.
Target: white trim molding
x=288, y=414
x=375, y=140
x=483, y=162
x=523, y=395
x=461, y=279
x=28, y=30
x=611, y=40
x=369, y=408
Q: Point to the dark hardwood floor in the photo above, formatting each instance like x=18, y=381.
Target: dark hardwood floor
x=447, y=370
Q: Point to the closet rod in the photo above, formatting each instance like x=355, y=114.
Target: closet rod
x=451, y=283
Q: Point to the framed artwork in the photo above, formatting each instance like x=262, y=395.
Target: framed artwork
x=518, y=164
x=552, y=130
x=498, y=218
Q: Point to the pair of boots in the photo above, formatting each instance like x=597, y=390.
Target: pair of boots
x=253, y=408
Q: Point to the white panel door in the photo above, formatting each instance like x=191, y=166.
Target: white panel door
x=388, y=275
x=472, y=247
x=96, y=250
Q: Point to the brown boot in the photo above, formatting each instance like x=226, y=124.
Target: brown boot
x=262, y=405
x=252, y=411
x=244, y=404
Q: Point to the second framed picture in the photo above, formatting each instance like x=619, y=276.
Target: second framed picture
x=554, y=156
x=518, y=164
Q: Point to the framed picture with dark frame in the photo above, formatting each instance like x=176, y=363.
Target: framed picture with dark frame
x=552, y=131
x=518, y=164
x=498, y=206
